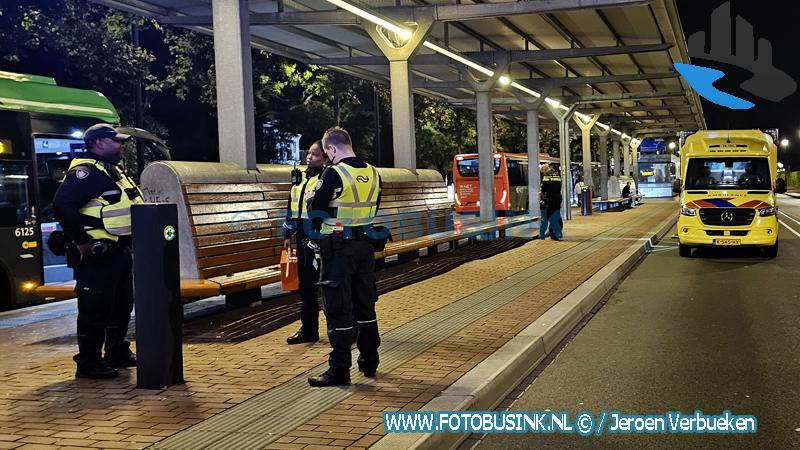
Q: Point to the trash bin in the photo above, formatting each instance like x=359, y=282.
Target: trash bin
x=586, y=201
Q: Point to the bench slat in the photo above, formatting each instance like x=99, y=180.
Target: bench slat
x=232, y=258
x=239, y=267
x=236, y=227
x=214, y=239
x=202, y=199
x=229, y=218
x=235, y=187
x=237, y=207
x=189, y=289
x=236, y=247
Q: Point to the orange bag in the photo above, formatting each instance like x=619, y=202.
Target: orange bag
x=289, y=280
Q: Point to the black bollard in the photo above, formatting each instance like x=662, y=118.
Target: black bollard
x=157, y=291
x=586, y=201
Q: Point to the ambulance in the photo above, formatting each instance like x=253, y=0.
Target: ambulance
x=728, y=196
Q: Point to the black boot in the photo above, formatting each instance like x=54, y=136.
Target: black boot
x=95, y=370
x=301, y=337
x=369, y=373
x=121, y=359
x=330, y=379
x=120, y=355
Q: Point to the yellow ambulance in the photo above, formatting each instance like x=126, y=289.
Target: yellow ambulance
x=729, y=191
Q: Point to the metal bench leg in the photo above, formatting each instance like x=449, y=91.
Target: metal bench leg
x=407, y=257
x=243, y=298
x=433, y=249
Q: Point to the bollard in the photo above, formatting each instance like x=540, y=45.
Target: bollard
x=157, y=293
x=586, y=201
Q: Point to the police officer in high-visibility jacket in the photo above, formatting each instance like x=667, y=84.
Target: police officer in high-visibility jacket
x=296, y=228
x=347, y=199
x=93, y=206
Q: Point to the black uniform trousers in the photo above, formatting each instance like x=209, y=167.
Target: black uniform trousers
x=105, y=301
x=308, y=275
x=349, y=294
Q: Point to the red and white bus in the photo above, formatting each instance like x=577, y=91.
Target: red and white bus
x=510, y=181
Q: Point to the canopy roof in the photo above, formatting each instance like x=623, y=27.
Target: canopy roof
x=613, y=57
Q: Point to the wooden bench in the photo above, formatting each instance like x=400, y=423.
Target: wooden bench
x=612, y=204
x=230, y=220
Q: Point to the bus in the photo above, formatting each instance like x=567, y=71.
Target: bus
x=41, y=125
x=510, y=181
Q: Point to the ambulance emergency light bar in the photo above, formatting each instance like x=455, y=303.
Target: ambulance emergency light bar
x=504, y=80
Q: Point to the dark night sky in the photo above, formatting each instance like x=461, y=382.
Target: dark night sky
x=776, y=21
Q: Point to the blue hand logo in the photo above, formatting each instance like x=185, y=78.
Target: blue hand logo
x=702, y=79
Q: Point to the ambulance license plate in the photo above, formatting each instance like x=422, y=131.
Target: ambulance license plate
x=727, y=241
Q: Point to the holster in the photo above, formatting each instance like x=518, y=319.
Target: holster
x=325, y=247
x=73, y=254
x=57, y=242
x=378, y=236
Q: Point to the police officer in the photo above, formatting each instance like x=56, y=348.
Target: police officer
x=297, y=227
x=550, y=203
x=347, y=199
x=93, y=207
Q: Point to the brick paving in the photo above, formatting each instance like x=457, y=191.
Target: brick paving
x=43, y=406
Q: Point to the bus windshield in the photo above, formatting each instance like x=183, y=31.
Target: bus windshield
x=728, y=173
x=469, y=167
x=15, y=197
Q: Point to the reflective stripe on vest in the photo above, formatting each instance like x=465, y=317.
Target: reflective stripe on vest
x=551, y=178
x=357, y=205
x=115, y=216
x=296, y=197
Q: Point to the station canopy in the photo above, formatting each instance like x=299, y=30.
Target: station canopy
x=612, y=57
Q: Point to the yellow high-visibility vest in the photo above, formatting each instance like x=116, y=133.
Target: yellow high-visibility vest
x=115, y=215
x=357, y=204
x=296, y=197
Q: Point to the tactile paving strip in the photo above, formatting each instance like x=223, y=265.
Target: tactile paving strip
x=264, y=418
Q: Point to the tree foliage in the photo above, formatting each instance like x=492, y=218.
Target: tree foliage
x=90, y=46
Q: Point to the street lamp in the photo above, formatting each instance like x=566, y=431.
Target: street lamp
x=671, y=146
x=784, y=142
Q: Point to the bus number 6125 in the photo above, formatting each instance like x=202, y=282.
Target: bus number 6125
x=23, y=232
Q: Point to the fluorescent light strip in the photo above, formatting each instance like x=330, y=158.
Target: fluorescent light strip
x=406, y=34
x=459, y=58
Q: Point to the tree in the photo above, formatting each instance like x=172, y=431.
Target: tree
x=52, y=38
x=442, y=132
x=510, y=136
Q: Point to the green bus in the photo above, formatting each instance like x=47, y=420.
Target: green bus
x=41, y=127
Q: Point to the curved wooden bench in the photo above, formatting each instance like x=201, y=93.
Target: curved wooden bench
x=230, y=220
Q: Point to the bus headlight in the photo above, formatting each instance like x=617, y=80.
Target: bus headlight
x=766, y=212
x=686, y=211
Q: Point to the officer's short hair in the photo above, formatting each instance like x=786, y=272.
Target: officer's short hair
x=337, y=137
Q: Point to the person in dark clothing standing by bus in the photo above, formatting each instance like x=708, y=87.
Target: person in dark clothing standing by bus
x=296, y=228
x=550, y=203
x=93, y=206
x=346, y=200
